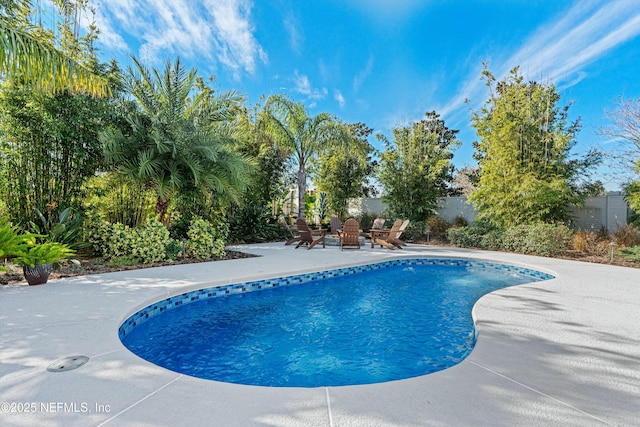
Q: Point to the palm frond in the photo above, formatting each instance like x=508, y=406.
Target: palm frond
x=39, y=64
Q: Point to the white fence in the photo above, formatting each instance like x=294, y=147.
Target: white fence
x=610, y=211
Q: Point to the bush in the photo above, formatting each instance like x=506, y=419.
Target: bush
x=147, y=243
x=437, y=225
x=253, y=223
x=205, y=240
x=627, y=236
x=459, y=221
x=590, y=243
x=366, y=220
x=477, y=235
x=541, y=239
x=632, y=254
x=150, y=242
x=415, y=231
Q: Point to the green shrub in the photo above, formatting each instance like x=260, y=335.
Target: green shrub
x=205, y=240
x=541, y=239
x=477, y=235
x=632, y=254
x=150, y=241
x=173, y=249
x=253, y=223
x=415, y=232
x=147, y=243
x=366, y=220
x=119, y=200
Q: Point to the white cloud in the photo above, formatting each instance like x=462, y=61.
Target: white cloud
x=559, y=51
x=296, y=39
x=337, y=95
x=363, y=74
x=303, y=86
x=218, y=30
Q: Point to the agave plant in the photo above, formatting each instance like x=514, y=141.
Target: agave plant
x=67, y=229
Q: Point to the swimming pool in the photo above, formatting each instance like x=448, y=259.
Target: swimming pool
x=366, y=324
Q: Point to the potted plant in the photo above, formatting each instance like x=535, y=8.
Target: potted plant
x=37, y=260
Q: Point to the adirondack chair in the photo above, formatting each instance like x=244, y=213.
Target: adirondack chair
x=308, y=236
x=350, y=235
x=378, y=224
x=292, y=237
x=387, y=238
x=336, y=225
x=396, y=240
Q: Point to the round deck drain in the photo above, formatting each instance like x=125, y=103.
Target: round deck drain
x=67, y=364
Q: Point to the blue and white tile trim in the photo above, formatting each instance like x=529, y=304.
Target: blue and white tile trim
x=218, y=291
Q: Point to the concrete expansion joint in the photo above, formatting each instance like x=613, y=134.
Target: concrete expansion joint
x=539, y=392
x=329, y=413
x=139, y=401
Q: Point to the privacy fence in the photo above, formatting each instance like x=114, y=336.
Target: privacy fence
x=610, y=211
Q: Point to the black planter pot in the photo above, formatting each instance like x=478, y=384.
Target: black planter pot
x=37, y=275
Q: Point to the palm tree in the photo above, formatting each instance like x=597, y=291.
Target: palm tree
x=37, y=62
x=303, y=136
x=177, y=143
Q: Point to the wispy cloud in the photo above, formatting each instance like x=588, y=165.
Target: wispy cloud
x=558, y=51
x=363, y=74
x=303, y=86
x=296, y=39
x=337, y=95
x=220, y=31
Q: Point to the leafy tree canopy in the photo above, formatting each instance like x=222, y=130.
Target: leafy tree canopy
x=343, y=169
x=29, y=53
x=416, y=167
x=177, y=143
x=527, y=174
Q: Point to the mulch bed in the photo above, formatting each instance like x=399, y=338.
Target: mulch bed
x=97, y=266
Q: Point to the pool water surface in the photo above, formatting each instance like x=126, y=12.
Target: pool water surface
x=371, y=326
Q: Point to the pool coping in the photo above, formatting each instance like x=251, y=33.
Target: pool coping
x=184, y=297
x=561, y=353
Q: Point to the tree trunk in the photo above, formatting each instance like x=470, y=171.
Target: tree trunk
x=162, y=206
x=302, y=190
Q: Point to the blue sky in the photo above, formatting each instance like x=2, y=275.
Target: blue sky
x=387, y=62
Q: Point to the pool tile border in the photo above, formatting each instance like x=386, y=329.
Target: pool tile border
x=169, y=303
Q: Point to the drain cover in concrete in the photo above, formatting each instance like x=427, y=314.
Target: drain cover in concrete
x=67, y=364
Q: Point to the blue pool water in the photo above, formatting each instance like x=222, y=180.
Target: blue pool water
x=384, y=324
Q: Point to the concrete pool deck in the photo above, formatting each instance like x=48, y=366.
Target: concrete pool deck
x=559, y=352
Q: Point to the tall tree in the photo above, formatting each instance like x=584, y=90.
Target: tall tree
x=343, y=169
x=302, y=135
x=415, y=169
x=50, y=140
x=28, y=53
x=625, y=129
x=525, y=138
x=176, y=142
x=271, y=178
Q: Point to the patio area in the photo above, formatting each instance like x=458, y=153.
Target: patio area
x=558, y=352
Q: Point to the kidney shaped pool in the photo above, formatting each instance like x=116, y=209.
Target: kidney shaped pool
x=360, y=325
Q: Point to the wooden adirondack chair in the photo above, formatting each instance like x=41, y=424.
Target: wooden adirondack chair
x=336, y=225
x=350, y=235
x=396, y=240
x=387, y=238
x=308, y=236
